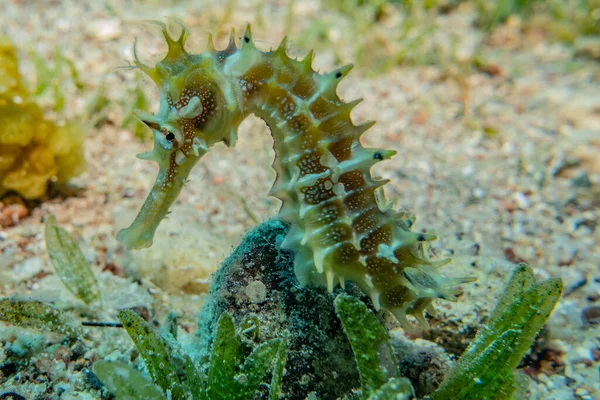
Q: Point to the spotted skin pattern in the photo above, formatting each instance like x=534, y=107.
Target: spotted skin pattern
x=342, y=228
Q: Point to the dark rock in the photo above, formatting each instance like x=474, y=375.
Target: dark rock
x=591, y=315
x=582, y=181
x=319, y=358
x=424, y=364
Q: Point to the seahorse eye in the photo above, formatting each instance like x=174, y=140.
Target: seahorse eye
x=170, y=136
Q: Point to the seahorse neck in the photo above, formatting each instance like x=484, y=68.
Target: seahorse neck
x=283, y=164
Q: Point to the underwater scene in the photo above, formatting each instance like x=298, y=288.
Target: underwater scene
x=321, y=199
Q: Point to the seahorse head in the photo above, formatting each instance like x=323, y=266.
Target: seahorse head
x=195, y=113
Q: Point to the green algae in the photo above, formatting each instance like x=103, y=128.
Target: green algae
x=52, y=76
x=394, y=389
x=156, y=353
x=226, y=380
x=231, y=375
x=69, y=263
x=254, y=369
x=279, y=369
x=374, y=356
x=139, y=102
x=38, y=315
x=486, y=369
x=227, y=347
x=125, y=382
x=565, y=20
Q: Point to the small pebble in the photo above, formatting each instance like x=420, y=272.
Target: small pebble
x=591, y=315
x=107, y=29
x=582, y=181
x=522, y=200
x=256, y=292
x=27, y=269
x=478, y=193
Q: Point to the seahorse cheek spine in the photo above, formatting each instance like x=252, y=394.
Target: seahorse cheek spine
x=342, y=228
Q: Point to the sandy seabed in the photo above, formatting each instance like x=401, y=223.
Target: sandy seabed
x=502, y=162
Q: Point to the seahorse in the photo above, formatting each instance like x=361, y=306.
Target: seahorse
x=341, y=226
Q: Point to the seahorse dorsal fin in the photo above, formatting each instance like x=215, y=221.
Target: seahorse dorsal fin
x=231, y=45
x=247, y=38
x=282, y=45
x=143, y=67
x=210, y=45
x=308, y=60
x=176, y=47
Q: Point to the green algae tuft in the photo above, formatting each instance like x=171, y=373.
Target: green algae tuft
x=231, y=374
x=69, y=263
x=156, y=353
x=372, y=350
x=486, y=369
x=38, y=315
x=125, y=382
x=228, y=377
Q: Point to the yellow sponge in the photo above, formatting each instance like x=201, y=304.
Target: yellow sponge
x=33, y=150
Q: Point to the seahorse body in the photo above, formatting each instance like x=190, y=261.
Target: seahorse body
x=341, y=229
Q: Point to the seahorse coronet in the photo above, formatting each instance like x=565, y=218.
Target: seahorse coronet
x=342, y=228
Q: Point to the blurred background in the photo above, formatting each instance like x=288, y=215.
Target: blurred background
x=493, y=107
